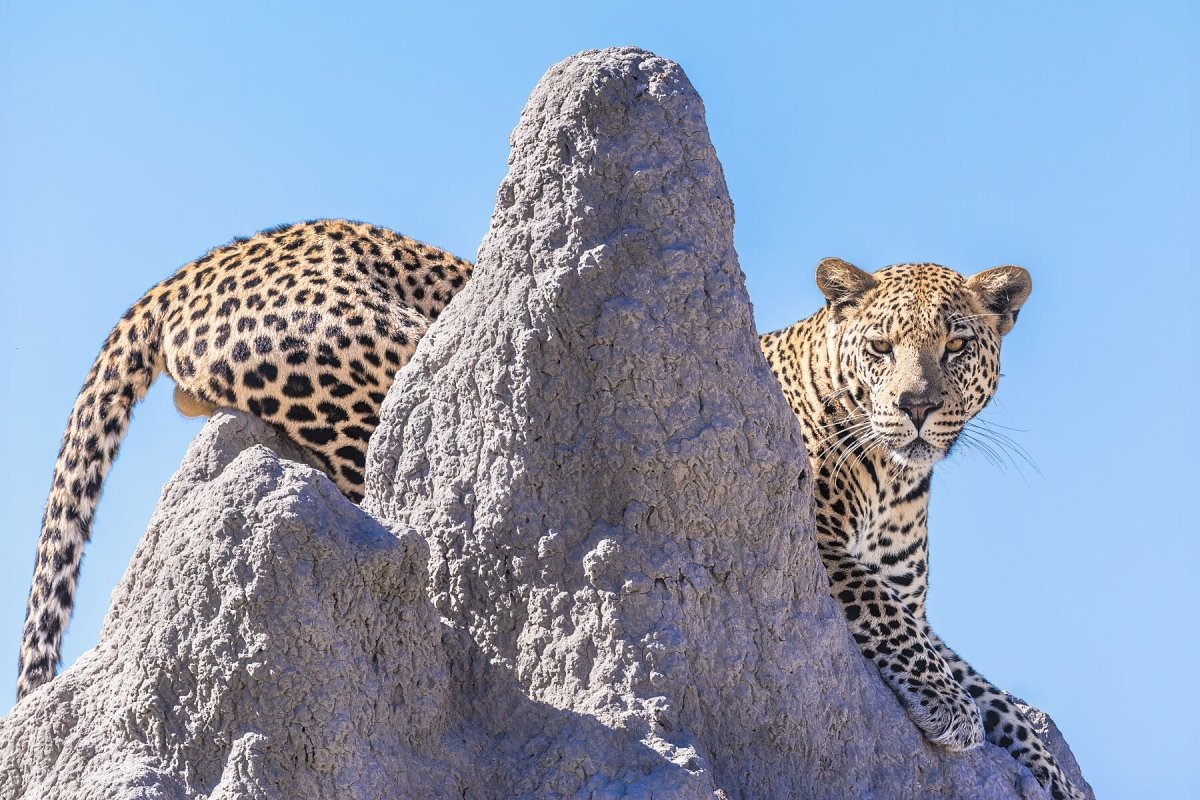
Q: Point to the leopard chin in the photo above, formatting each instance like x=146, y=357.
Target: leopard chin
x=917, y=454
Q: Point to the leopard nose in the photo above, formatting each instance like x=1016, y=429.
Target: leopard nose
x=918, y=408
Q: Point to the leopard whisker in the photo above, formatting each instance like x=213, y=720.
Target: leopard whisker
x=858, y=452
x=841, y=391
x=965, y=317
x=974, y=443
x=855, y=428
x=839, y=422
x=840, y=440
x=992, y=424
x=833, y=449
x=1007, y=445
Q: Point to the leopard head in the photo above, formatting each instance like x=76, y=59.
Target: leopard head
x=917, y=350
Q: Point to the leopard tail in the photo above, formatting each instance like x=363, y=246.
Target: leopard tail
x=127, y=364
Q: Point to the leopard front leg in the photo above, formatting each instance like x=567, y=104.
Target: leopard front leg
x=1007, y=726
x=892, y=638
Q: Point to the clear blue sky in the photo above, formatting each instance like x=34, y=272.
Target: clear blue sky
x=1059, y=136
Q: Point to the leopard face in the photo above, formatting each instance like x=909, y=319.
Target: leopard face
x=882, y=381
x=918, y=349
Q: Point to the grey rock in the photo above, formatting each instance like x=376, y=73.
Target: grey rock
x=269, y=640
x=614, y=591
x=614, y=490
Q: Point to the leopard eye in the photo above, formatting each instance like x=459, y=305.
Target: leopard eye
x=880, y=346
x=956, y=345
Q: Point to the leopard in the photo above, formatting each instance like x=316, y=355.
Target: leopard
x=307, y=325
x=304, y=326
x=883, y=379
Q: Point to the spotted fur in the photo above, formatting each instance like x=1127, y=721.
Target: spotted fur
x=304, y=326
x=883, y=380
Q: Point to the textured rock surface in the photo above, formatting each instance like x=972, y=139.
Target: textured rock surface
x=616, y=592
x=614, y=489
x=269, y=640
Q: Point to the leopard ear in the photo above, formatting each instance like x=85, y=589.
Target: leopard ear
x=1003, y=291
x=842, y=283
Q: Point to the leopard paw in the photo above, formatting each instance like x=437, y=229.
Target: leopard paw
x=949, y=719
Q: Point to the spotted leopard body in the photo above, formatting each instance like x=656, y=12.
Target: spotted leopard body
x=881, y=396
x=304, y=326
